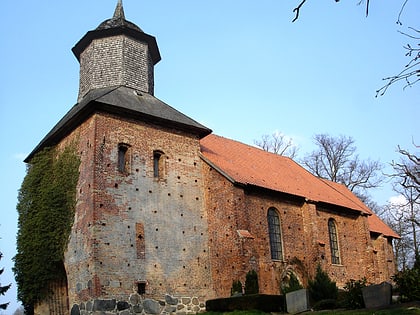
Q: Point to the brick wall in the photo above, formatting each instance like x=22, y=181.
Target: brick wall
x=177, y=233
x=304, y=231
x=115, y=208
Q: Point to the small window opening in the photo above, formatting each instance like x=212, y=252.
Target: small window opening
x=158, y=164
x=122, y=157
x=141, y=287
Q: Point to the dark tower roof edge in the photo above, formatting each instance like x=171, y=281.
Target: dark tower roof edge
x=118, y=25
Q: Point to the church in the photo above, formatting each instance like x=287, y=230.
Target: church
x=168, y=214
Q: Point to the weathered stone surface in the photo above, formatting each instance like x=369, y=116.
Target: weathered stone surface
x=195, y=301
x=121, y=305
x=186, y=300
x=378, y=295
x=75, y=310
x=171, y=300
x=180, y=306
x=89, y=306
x=104, y=305
x=297, y=301
x=138, y=308
x=151, y=306
x=170, y=308
x=134, y=299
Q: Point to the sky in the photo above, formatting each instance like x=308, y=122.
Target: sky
x=241, y=68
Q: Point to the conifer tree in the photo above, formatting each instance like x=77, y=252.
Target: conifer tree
x=3, y=289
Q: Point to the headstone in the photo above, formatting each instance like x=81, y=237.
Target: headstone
x=297, y=301
x=378, y=295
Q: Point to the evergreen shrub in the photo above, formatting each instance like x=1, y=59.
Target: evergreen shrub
x=353, y=297
x=236, y=287
x=322, y=287
x=408, y=282
x=251, y=283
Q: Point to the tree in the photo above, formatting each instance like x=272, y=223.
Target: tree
x=399, y=215
x=404, y=216
x=411, y=71
x=322, y=287
x=3, y=289
x=277, y=143
x=407, y=171
x=335, y=159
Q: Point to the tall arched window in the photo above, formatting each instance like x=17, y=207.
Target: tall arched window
x=274, y=231
x=332, y=231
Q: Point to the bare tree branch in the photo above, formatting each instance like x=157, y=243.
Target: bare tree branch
x=297, y=10
x=277, y=143
x=335, y=159
x=401, y=11
x=407, y=171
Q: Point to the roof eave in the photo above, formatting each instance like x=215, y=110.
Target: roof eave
x=115, y=31
x=71, y=120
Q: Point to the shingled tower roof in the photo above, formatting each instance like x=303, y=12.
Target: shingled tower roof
x=117, y=77
x=118, y=20
x=115, y=26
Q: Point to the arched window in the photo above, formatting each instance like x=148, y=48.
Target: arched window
x=332, y=231
x=274, y=231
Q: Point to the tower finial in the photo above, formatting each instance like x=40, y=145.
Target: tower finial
x=119, y=11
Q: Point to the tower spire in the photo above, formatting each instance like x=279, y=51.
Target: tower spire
x=119, y=11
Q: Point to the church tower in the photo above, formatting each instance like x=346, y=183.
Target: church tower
x=117, y=53
x=140, y=231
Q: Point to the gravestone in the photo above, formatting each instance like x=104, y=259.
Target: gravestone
x=297, y=301
x=378, y=295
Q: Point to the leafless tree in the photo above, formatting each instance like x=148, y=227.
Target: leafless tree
x=411, y=71
x=335, y=159
x=404, y=216
x=278, y=143
x=407, y=170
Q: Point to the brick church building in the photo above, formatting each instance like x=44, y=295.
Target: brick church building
x=168, y=214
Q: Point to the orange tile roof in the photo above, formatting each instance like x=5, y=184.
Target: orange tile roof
x=248, y=165
x=375, y=223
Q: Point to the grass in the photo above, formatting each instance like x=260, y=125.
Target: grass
x=400, y=310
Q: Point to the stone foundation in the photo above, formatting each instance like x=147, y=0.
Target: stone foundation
x=139, y=305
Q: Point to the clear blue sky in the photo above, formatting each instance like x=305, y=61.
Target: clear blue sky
x=239, y=67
